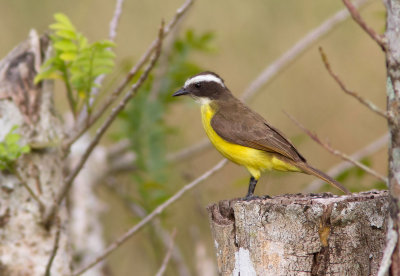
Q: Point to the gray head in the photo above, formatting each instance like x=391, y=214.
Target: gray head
x=204, y=87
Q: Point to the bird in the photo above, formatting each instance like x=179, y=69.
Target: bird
x=242, y=135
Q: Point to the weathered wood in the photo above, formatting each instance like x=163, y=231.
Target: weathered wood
x=25, y=244
x=392, y=36
x=315, y=234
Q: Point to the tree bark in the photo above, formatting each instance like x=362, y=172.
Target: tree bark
x=26, y=246
x=315, y=234
x=392, y=35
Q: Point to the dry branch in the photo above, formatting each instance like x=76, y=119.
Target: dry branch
x=42, y=206
x=122, y=239
x=164, y=264
x=380, y=39
x=111, y=36
x=54, y=251
x=337, y=152
x=365, y=102
x=162, y=234
x=345, y=165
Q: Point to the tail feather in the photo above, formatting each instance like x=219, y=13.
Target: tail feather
x=310, y=170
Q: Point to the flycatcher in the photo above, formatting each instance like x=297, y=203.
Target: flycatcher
x=242, y=135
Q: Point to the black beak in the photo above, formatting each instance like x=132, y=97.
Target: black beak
x=180, y=92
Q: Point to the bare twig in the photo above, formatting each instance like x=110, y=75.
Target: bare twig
x=99, y=133
x=162, y=67
x=111, y=36
x=30, y=191
x=380, y=39
x=391, y=241
x=164, y=264
x=115, y=150
x=337, y=152
x=115, y=20
x=132, y=73
x=54, y=251
x=189, y=151
x=298, y=48
x=344, y=165
x=365, y=102
x=118, y=242
x=162, y=234
x=124, y=164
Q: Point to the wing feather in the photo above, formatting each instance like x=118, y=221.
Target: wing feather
x=240, y=125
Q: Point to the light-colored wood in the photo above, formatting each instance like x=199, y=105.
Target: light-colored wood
x=25, y=244
x=316, y=234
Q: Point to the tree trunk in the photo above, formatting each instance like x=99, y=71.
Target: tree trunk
x=315, y=234
x=25, y=245
x=392, y=36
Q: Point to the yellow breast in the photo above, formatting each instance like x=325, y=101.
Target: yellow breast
x=254, y=160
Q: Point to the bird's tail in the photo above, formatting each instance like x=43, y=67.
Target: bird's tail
x=310, y=170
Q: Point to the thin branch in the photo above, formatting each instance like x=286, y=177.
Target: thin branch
x=303, y=44
x=380, y=39
x=162, y=234
x=163, y=64
x=164, y=264
x=54, y=251
x=111, y=36
x=122, y=239
x=99, y=133
x=124, y=164
x=337, y=152
x=365, y=102
x=344, y=165
x=189, y=151
x=30, y=191
x=391, y=241
x=115, y=20
x=132, y=73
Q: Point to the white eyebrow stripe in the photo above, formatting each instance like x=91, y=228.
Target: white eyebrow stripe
x=201, y=78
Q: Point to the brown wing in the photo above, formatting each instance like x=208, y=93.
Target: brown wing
x=238, y=124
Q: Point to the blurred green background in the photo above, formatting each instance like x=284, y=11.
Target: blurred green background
x=242, y=38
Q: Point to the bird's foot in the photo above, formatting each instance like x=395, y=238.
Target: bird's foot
x=249, y=197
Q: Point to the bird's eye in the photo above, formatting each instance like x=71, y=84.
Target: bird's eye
x=197, y=85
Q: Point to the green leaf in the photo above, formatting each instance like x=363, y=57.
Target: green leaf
x=25, y=149
x=11, y=150
x=66, y=34
x=103, y=62
x=104, y=44
x=64, y=20
x=68, y=56
x=97, y=71
x=65, y=45
x=12, y=138
x=61, y=26
x=50, y=74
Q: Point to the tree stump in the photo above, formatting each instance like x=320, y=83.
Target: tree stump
x=314, y=234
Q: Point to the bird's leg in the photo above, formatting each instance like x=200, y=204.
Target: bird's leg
x=252, y=186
